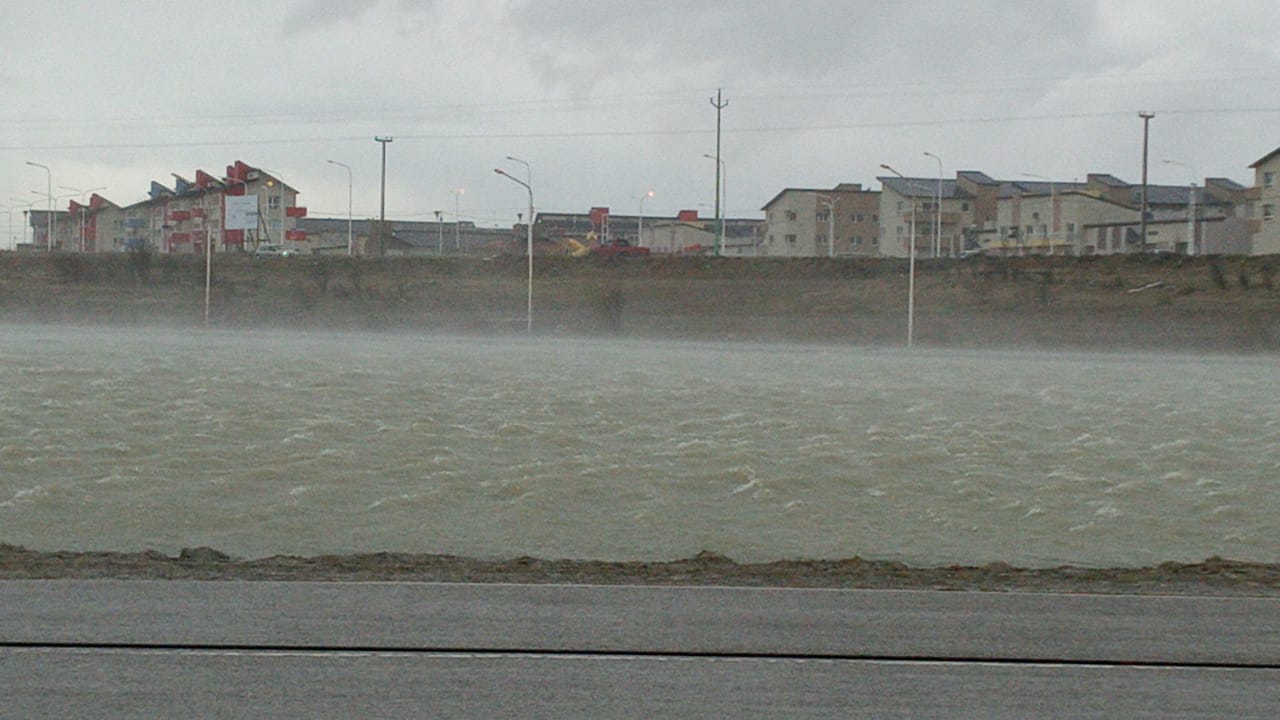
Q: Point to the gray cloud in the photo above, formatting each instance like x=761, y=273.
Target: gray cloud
x=307, y=15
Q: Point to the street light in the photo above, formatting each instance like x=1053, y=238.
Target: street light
x=457, y=219
x=382, y=204
x=439, y=234
x=937, y=210
x=830, y=203
x=911, y=263
x=640, y=222
x=83, y=203
x=1052, y=225
x=1191, y=206
x=27, y=205
x=722, y=201
x=350, y=251
x=50, y=223
x=528, y=248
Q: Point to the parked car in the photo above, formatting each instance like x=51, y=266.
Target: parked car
x=266, y=250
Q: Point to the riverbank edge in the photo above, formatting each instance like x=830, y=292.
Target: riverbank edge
x=1214, y=576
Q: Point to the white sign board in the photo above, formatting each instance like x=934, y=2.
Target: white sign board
x=242, y=212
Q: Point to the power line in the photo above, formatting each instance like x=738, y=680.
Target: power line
x=585, y=134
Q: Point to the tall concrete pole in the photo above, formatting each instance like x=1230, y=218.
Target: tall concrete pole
x=719, y=104
x=382, y=202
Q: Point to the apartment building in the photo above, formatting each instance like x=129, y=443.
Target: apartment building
x=979, y=214
x=807, y=222
x=910, y=213
x=1264, y=224
x=179, y=219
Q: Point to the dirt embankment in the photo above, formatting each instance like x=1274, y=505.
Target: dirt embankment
x=1211, y=577
x=1126, y=302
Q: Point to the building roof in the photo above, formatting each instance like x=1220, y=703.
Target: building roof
x=923, y=187
x=1265, y=158
x=845, y=188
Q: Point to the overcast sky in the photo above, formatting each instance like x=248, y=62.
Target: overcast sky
x=610, y=99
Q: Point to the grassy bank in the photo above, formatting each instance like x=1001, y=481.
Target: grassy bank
x=1132, y=302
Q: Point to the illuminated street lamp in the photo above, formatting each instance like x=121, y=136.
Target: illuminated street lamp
x=640, y=222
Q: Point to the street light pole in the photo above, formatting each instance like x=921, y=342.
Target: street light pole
x=50, y=223
x=1191, y=206
x=457, y=219
x=1146, y=127
x=722, y=193
x=83, y=203
x=830, y=202
x=937, y=210
x=439, y=235
x=350, y=251
x=640, y=222
x=528, y=247
x=911, y=263
x=382, y=202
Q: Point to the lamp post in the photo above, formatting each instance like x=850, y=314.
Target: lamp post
x=722, y=200
x=350, y=247
x=382, y=193
x=528, y=247
x=911, y=263
x=937, y=210
x=50, y=223
x=1146, y=133
x=457, y=219
x=1051, y=227
x=439, y=234
x=830, y=203
x=640, y=222
x=83, y=202
x=1191, y=206
x=27, y=205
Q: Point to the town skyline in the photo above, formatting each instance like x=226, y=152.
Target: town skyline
x=611, y=102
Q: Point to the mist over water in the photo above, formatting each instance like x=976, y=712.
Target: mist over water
x=261, y=443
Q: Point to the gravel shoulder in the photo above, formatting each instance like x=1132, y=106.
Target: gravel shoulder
x=1214, y=576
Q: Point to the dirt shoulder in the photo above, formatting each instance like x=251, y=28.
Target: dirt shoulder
x=1214, y=576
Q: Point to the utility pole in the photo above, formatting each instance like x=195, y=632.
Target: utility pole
x=719, y=105
x=382, y=209
x=1146, y=126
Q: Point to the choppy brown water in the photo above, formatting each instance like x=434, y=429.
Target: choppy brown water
x=268, y=443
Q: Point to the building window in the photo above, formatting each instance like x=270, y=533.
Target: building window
x=856, y=241
x=899, y=206
x=791, y=214
x=791, y=239
x=964, y=207
x=1268, y=179
x=822, y=216
x=1268, y=211
x=899, y=230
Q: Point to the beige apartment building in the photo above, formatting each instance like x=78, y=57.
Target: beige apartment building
x=1264, y=224
x=979, y=214
x=840, y=222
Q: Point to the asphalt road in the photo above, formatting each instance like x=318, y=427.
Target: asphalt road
x=72, y=649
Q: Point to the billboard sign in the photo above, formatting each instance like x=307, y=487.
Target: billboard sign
x=242, y=212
